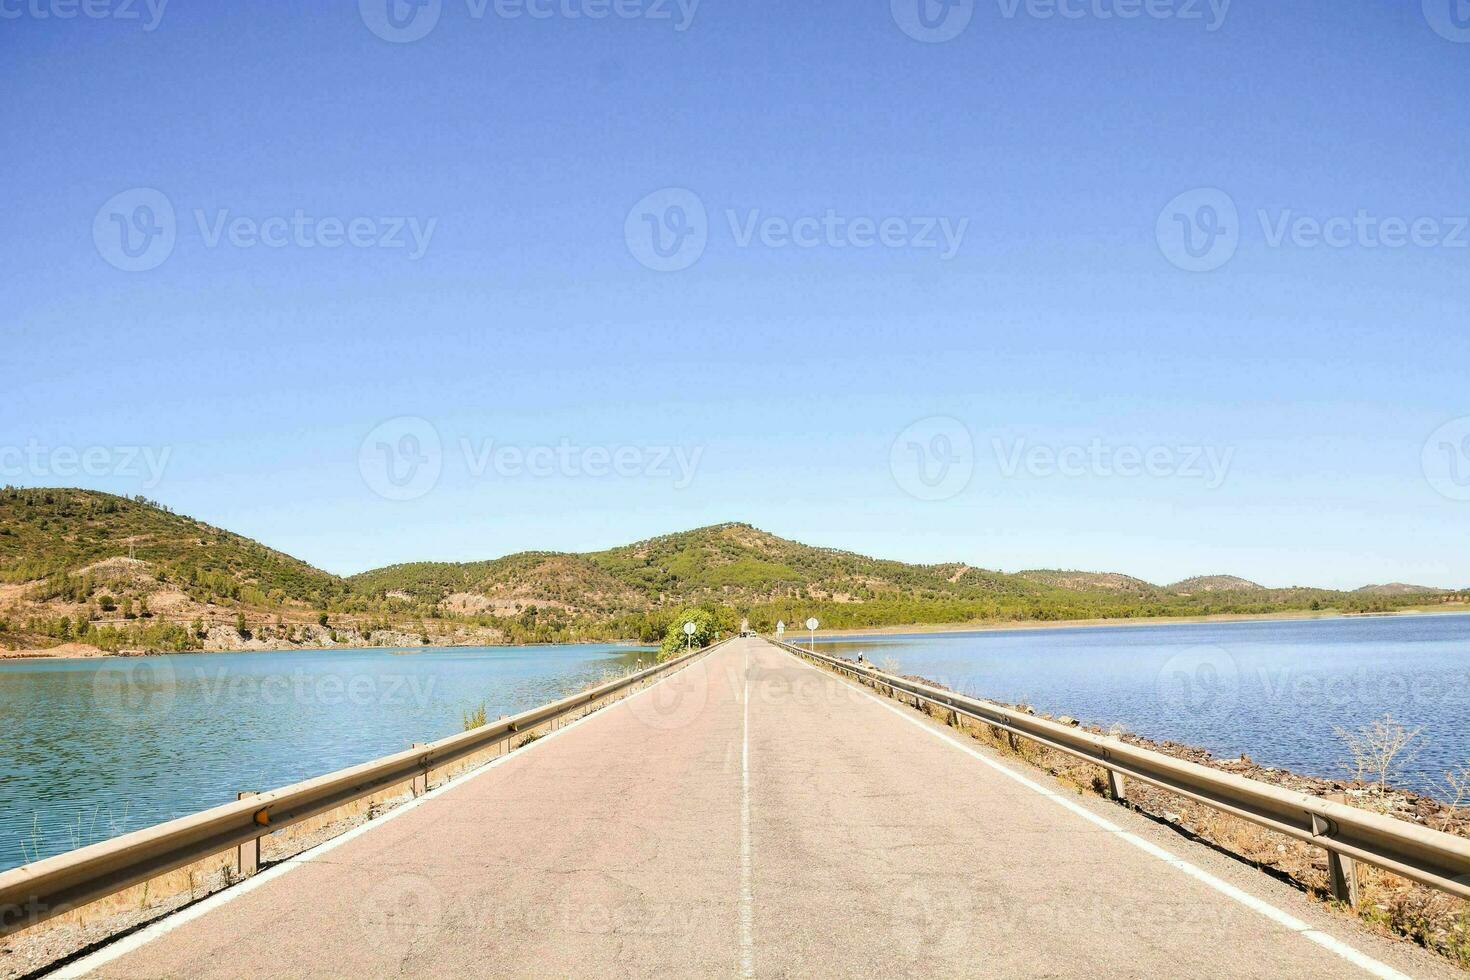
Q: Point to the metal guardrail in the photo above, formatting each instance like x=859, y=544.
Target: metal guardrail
x=1347, y=833
x=38, y=891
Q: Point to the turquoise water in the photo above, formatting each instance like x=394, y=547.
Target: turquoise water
x=95, y=748
x=1275, y=691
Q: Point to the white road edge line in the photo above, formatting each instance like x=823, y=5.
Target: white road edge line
x=1285, y=919
x=127, y=944
x=747, y=896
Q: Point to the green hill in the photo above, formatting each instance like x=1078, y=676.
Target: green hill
x=1215, y=583
x=732, y=564
x=1104, y=581
x=1399, y=588
x=53, y=535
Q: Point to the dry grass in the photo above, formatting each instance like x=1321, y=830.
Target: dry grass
x=475, y=717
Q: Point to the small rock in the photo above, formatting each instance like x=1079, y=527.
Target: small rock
x=1068, y=720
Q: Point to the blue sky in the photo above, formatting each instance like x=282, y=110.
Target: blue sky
x=1064, y=320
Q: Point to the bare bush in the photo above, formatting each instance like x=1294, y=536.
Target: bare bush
x=1380, y=749
x=1454, y=791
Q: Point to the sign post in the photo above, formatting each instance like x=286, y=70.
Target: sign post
x=811, y=626
x=780, y=628
x=689, y=629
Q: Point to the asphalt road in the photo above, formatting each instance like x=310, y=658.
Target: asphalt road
x=754, y=815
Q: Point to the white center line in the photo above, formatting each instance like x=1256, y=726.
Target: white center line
x=1284, y=919
x=747, y=897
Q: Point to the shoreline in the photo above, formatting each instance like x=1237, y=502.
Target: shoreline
x=82, y=651
x=998, y=626
x=96, y=653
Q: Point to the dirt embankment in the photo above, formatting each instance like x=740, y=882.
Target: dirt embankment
x=65, y=651
x=227, y=639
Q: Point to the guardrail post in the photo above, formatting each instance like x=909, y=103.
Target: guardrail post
x=247, y=855
x=421, y=780
x=1117, y=788
x=1342, y=871
x=1342, y=874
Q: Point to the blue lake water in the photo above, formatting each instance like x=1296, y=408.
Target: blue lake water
x=95, y=748
x=1275, y=691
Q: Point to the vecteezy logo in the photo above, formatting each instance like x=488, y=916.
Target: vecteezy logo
x=401, y=913
x=1199, y=683
x=400, y=21
x=134, y=692
x=934, y=458
x=1199, y=230
x=671, y=706
x=935, y=920
x=1449, y=18
x=932, y=21
x=1446, y=459
x=135, y=230
x=667, y=230
x=402, y=458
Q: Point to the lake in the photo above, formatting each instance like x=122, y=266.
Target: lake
x=96, y=748
x=1274, y=690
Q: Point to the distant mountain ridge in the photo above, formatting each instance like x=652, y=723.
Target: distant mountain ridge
x=723, y=563
x=738, y=564
x=133, y=566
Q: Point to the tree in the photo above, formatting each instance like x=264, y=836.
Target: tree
x=707, y=622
